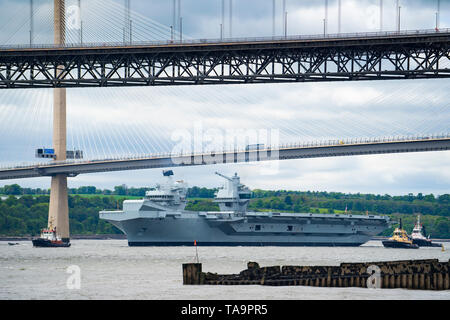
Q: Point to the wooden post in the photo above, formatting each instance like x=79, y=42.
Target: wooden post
x=428, y=282
x=397, y=281
x=447, y=281
x=191, y=273
x=440, y=281
x=385, y=278
x=392, y=281
x=410, y=284
x=346, y=282
x=434, y=286
x=421, y=282
x=403, y=281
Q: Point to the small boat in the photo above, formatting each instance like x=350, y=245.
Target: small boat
x=13, y=243
x=400, y=239
x=420, y=238
x=49, y=238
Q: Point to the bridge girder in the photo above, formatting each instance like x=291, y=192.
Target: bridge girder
x=401, y=56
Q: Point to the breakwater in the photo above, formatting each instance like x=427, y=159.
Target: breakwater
x=429, y=274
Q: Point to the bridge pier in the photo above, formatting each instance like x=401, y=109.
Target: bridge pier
x=58, y=215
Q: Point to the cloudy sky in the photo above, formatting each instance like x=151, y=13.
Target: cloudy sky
x=124, y=121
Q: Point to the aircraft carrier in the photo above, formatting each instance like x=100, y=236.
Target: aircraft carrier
x=160, y=219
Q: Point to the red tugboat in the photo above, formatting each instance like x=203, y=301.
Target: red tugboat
x=49, y=238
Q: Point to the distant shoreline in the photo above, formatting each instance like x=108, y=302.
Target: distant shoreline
x=73, y=237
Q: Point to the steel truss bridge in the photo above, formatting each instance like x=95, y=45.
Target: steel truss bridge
x=329, y=149
x=360, y=56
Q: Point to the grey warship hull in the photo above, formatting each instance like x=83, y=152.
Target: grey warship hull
x=161, y=220
x=165, y=228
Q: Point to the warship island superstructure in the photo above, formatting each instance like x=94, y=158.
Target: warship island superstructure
x=160, y=219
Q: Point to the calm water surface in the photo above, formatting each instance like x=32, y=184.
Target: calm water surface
x=112, y=270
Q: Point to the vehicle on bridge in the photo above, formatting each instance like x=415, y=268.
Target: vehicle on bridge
x=50, y=153
x=45, y=153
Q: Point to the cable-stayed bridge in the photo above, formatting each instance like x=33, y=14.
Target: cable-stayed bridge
x=174, y=61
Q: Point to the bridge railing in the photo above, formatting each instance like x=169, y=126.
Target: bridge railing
x=311, y=144
x=375, y=34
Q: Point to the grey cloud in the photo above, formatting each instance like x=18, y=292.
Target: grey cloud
x=202, y=18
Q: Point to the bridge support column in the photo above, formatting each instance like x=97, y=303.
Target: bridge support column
x=59, y=210
x=58, y=215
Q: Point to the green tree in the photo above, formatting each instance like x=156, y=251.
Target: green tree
x=120, y=190
x=288, y=200
x=13, y=189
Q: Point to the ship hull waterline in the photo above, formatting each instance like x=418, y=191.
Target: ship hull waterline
x=399, y=245
x=176, y=231
x=426, y=243
x=44, y=243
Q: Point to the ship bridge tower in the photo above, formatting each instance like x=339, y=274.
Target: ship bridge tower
x=169, y=193
x=234, y=196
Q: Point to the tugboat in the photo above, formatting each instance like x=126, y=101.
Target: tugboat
x=420, y=238
x=400, y=239
x=49, y=238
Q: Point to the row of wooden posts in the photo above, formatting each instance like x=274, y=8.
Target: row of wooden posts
x=427, y=274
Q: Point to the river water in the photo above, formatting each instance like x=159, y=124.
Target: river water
x=109, y=269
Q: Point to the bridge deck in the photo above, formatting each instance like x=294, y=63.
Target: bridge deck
x=416, y=36
x=73, y=168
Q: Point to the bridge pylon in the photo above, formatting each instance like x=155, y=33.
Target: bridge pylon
x=58, y=216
